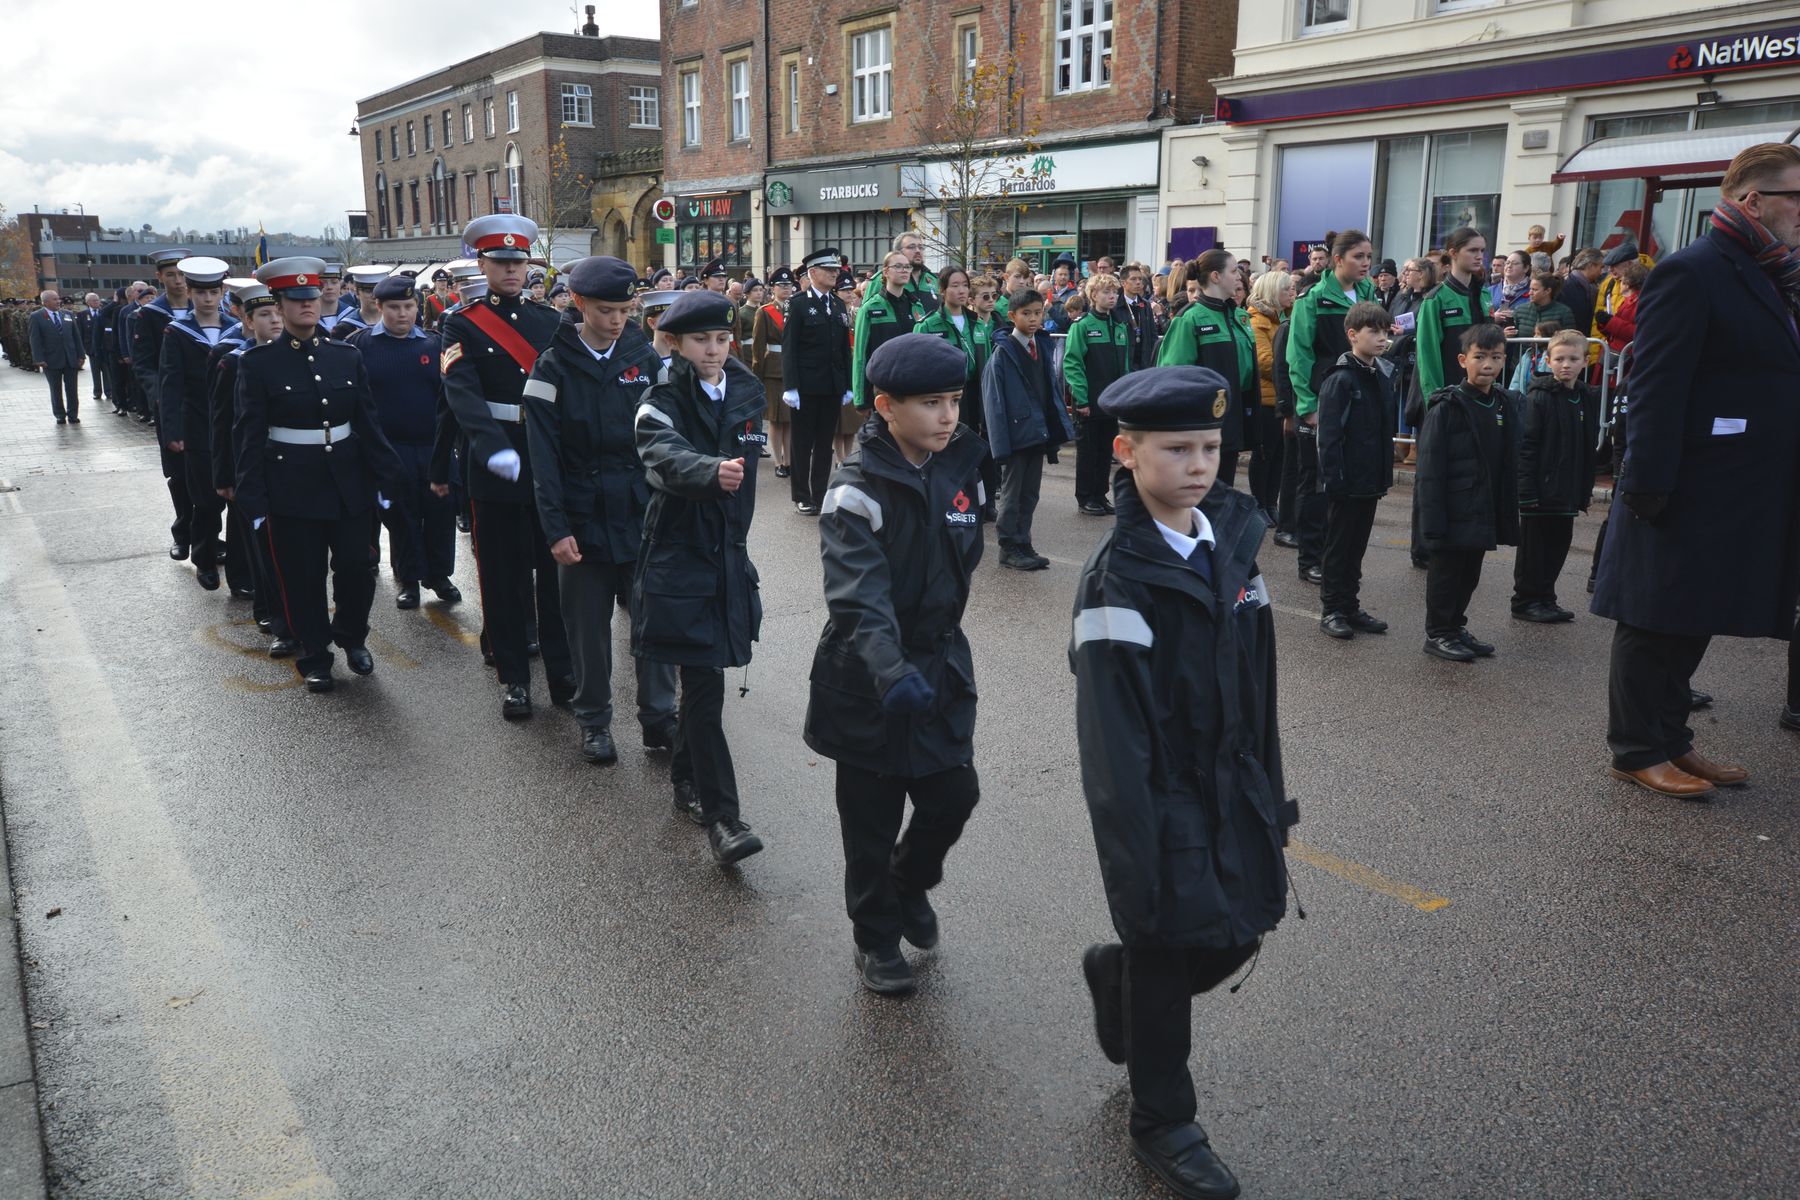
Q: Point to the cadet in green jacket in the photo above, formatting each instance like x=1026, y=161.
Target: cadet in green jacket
x=1209, y=334
x=1096, y=354
x=882, y=317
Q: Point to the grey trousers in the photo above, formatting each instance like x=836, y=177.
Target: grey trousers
x=1021, y=478
x=589, y=591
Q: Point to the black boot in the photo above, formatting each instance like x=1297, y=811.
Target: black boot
x=597, y=746
x=884, y=972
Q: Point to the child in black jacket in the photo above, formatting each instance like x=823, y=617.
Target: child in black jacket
x=1357, y=406
x=1559, y=431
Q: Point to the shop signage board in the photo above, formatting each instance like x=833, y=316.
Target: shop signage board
x=1120, y=166
x=838, y=189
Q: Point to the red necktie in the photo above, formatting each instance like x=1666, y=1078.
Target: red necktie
x=1031, y=349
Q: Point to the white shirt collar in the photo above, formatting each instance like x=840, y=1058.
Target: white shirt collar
x=715, y=391
x=1183, y=544
x=599, y=355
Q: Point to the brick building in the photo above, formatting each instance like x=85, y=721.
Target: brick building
x=561, y=128
x=77, y=253
x=798, y=124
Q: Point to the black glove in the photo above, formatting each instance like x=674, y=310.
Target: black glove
x=910, y=695
x=1602, y=319
x=1649, y=506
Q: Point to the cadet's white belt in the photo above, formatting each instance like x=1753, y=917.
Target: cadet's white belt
x=309, y=437
x=506, y=412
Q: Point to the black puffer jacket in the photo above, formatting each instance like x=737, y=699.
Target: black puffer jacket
x=1358, y=411
x=1465, y=502
x=1558, y=432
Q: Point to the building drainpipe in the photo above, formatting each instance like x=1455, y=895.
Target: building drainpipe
x=757, y=211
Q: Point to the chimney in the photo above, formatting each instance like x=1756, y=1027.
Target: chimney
x=590, y=29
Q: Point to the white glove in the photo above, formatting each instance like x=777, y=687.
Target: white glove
x=256, y=524
x=383, y=501
x=791, y=398
x=848, y=397
x=505, y=464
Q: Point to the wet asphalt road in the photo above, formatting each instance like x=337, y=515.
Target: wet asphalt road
x=380, y=944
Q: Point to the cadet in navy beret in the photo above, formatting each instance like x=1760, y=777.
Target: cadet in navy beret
x=696, y=312
x=917, y=364
x=1170, y=399
x=601, y=277
x=395, y=287
x=688, y=284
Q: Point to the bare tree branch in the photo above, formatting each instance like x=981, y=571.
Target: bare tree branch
x=975, y=164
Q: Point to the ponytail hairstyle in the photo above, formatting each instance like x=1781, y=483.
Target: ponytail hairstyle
x=1214, y=260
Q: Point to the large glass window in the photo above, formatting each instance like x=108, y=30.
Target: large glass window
x=739, y=77
x=1399, y=206
x=863, y=236
x=646, y=104
x=412, y=140
x=1323, y=188
x=872, y=75
x=512, y=112
x=1464, y=185
x=577, y=104
x=1084, y=31
x=449, y=132
x=690, y=108
x=487, y=113
x=1612, y=208
x=727, y=240
x=515, y=180
x=793, y=96
x=468, y=122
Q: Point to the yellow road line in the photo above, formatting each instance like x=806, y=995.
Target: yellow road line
x=1368, y=877
x=449, y=625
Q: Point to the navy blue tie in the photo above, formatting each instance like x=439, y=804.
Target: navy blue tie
x=1201, y=561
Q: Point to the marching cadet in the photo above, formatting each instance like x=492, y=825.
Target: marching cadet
x=885, y=313
x=766, y=330
x=893, y=682
x=815, y=373
x=147, y=326
x=439, y=301
x=334, y=306
x=260, y=325
x=183, y=416
x=408, y=390
x=653, y=305
x=695, y=603
x=490, y=347
x=1173, y=650
x=580, y=410
x=367, y=312
x=126, y=333
x=311, y=460
x=535, y=280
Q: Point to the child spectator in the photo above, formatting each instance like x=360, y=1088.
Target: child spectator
x=1025, y=422
x=1096, y=353
x=1536, y=359
x=1467, y=490
x=1358, y=405
x=1559, y=430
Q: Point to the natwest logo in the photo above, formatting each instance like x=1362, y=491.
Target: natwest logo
x=1747, y=50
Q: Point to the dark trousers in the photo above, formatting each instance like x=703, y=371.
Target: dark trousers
x=881, y=863
x=1450, y=582
x=1348, y=522
x=175, y=475
x=102, y=378
x=1647, y=695
x=1309, y=502
x=1266, y=465
x=1543, y=548
x=512, y=563
x=702, y=756
x=1286, y=512
x=589, y=590
x=1158, y=1002
x=421, y=526
x=206, y=509
x=299, y=551
x=1093, y=456
x=266, y=606
x=1793, y=697
x=814, y=425
x=1021, y=481
x=65, y=391
x=124, y=385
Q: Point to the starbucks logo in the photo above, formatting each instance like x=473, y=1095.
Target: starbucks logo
x=779, y=194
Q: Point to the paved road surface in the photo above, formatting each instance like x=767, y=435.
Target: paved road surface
x=380, y=944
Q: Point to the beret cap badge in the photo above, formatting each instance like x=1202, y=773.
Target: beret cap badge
x=1219, y=404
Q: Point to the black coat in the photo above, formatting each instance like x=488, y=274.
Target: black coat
x=815, y=345
x=480, y=376
x=1713, y=424
x=147, y=326
x=1580, y=296
x=221, y=408
x=696, y=599
x=900, y=545
x=1358, y=411
x=1176, y=718
x=181, y=393
x=581, y=413
x=1466, y=502
x=1143, y=332
x=1559, y=431
x=106, y=334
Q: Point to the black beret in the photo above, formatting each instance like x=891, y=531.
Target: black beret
x=917, y=364
x=696, y=312
x=395, y=287
x=601, y=277
x=686, y=281
x=1175, y=399
x=1624, y=252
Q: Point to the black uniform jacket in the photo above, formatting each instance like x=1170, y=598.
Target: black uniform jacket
x=900, y=545
x=1559, y=430
x=221, y=408
x=815, y=345
x=1175, y=712
x=147, y=327
x=480, y=374
x=1142, y=325
x=581, y=414
x=1358, y=410
x=181, y=385
x=696, y=594
x=314, y=383
x=1464, y=503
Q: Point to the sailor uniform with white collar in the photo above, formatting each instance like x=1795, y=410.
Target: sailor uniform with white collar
x=183, y=417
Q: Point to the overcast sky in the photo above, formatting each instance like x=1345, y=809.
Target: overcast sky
x=209, y=116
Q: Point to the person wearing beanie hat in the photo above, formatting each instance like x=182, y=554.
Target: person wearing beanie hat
x=1387, y=282
x=1173, y=650
x=893, y=691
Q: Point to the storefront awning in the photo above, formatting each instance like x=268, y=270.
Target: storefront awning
x=1690, y=159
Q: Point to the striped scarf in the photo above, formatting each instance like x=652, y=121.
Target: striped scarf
x=1778, y=259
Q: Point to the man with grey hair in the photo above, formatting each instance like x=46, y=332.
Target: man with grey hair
x=87, y=324
x=56, y=346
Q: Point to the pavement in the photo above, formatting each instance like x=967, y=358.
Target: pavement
x=382, y=944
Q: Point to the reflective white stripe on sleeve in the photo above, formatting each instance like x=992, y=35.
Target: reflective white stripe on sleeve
x=980, y=492
x=1112, y=625
x=652, y=413
x=542, y=389
x=1256, y=592
x=855, y=500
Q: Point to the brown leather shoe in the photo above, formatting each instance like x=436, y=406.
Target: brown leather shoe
x=1666, y=779
x=1702, y=767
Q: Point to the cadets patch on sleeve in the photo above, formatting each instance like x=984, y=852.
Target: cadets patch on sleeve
x=452, y=352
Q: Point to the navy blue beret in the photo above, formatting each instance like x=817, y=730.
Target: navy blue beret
x=917, y=364
x=601, y=277
x=395, y=287
x=1174, y=399
x=697, y=312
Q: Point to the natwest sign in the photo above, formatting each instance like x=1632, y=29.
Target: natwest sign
x=1749, y=50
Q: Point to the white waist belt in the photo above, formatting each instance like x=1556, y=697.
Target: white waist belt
x=309, y=437
x=506, y=412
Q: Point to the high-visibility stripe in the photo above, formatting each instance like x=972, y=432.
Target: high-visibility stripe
x=655, y=414
x=1112, y=625
x=543, y=389
x=852, y=499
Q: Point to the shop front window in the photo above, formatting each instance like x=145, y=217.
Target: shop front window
x=1612, y=209
x=1464, y=185
x=729, y=240
x=1324, y=188
x=862, y=236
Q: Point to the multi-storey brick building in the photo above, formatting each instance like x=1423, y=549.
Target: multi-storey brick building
x=561, y=128
x=800, y=123
x=78, y=253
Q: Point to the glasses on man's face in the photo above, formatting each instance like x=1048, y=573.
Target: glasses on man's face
x=1790, y=192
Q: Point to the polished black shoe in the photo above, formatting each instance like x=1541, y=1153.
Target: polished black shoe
x=1092, y=508
x=1540, y=613
x=1790, y=718
x=178, y=551
x=208, y=578
x=660, y=736
x=597, y=746
x=360, y=660
x=446, y=591
x=240, y=592
x=1311, y=575
x=687, y=803
x=1448, y=648
x=515, y=703
x=1364, y=622
x=1182, y=1158
x=731, y=841
x=562, y=693
x=805, y=509
x=283, y=647
x=407, y=597
x=1698, y=700
x=884, y=972
x=1334, y=625
x=320, y=680
x=783, y=472
x=918, y=920
x=532, y=649
x=1285, y=540
x=1479, y=649
x=1104, y=969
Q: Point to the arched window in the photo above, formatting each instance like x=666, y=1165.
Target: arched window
x=515, y=179
x=383, y=229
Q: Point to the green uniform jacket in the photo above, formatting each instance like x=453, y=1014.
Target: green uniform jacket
x=879, y=320
x=1443, y=316
x=1097, y=352
x=1528, y=316
x=1208, y=333
x=1324, y=306
x=975, y=339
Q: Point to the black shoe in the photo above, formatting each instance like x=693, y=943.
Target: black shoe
x=731, y=841
x=241, y=592
x=265, y=626
x=208, y=578
x=1104, y=967
x=178, y=551
x=562, y=693
x=1698, y=700
x=660, y=736
x=1790, y=718
x=1091, y=508
x=1182, y=1158
x=1478, y=649
x=532, y=649
x=687, y=803
x=597, y=746
x=1312, y=575
x=408, y=597
x=1449, y=648
x=74, y=420
x=783, y=472
x=1364, y=622
x=360, y=660
x=1038, y=561
x=283, y=647
x=1335, y=625
x=884, y=972
x=1286, y=540
x=62, y=421
x=462, y=523
x=1017, y=560
x=918, y=920
x=1539, y=613
x=446, y=591
x=805, y=509
x=515, y=703
x=1107, y=505
x=320, y=680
